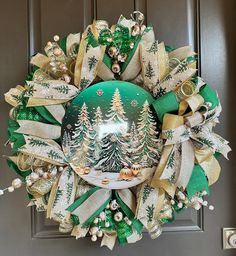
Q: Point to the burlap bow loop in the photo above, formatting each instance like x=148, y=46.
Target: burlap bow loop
x=87, y=207
x=178, y=135
x=180, y=160
x=189, y=141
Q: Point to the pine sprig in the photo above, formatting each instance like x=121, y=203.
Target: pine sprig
x=92, y=61
x=150, y=212
x=167, y=78
x=181, y=67
x=185, y=134
x=84, y=82
x=149, y=72
x=207, y=142
x=62, y=89
x=69, y=173
x=17, y=98
x=146, y=192
x=53, y=155
x=30, y=90
x=159, y=92
x=69, y=188
x=171, y=160
x=153, y=48
x=45, y=85
x=57, y=197
x=36, y=142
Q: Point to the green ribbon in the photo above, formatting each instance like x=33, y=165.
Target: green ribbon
x=107, y=61
x=80, y=200
x=46, y=115
x=62, y=44
x=122, y=228
x=123, y=231
x=27, y=113
x=198, y=182
x=169, y=48
x=131, y=54
x=209, y=95
x=16, y=138
x=128, y=212
x=166, y=104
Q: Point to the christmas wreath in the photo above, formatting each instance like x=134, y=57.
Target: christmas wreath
x=112, y=132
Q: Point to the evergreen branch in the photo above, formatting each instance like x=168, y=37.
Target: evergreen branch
x=36, y=142
x=62, y=89
x=150, y=212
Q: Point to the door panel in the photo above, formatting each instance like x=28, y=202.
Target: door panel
x=203, y=24
x=175, y=22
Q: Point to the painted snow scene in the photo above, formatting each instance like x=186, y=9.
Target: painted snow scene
x=109, y=135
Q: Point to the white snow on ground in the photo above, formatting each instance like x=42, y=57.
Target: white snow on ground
x=95, y=178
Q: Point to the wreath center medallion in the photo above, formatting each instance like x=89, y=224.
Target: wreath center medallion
x=108, y=143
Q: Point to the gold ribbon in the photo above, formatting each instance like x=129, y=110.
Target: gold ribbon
x=40, y=60
x=181, y=53
x=177, y=134
x=12, y=97
x=194, y=103
x=82, y=72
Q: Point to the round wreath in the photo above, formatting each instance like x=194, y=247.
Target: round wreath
x=137, y=174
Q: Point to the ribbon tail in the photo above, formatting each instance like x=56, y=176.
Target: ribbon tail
x=212, y=169
x=127, y=202
x=78, y=231
x=109, y=239
x=88, y=206
x=42, y=130
x=187, y=164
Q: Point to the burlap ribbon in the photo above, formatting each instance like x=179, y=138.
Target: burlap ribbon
x=39, y=129
x=150, y=201
x=49, y=92
x=46, y=150
x=62, y=195
x=89, y=57
x=147, y=61
x=89, y=205
x=183, y=147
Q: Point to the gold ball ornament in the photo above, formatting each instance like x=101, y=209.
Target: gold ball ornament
x=93, y=230
x=57, y=51
x=115, y=68
x=135, y=30
x=56, y=38
x=114, y=205
x=112, y=51
x=16, y=183
x=122, y=57
x=94, y=238
x=100, y=233
x=118, y=216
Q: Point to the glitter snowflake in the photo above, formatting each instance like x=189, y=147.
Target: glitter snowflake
x=99, y=92
x=69, y=126
x=134, y=103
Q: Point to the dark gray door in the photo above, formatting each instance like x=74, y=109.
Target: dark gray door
x=208, y=25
